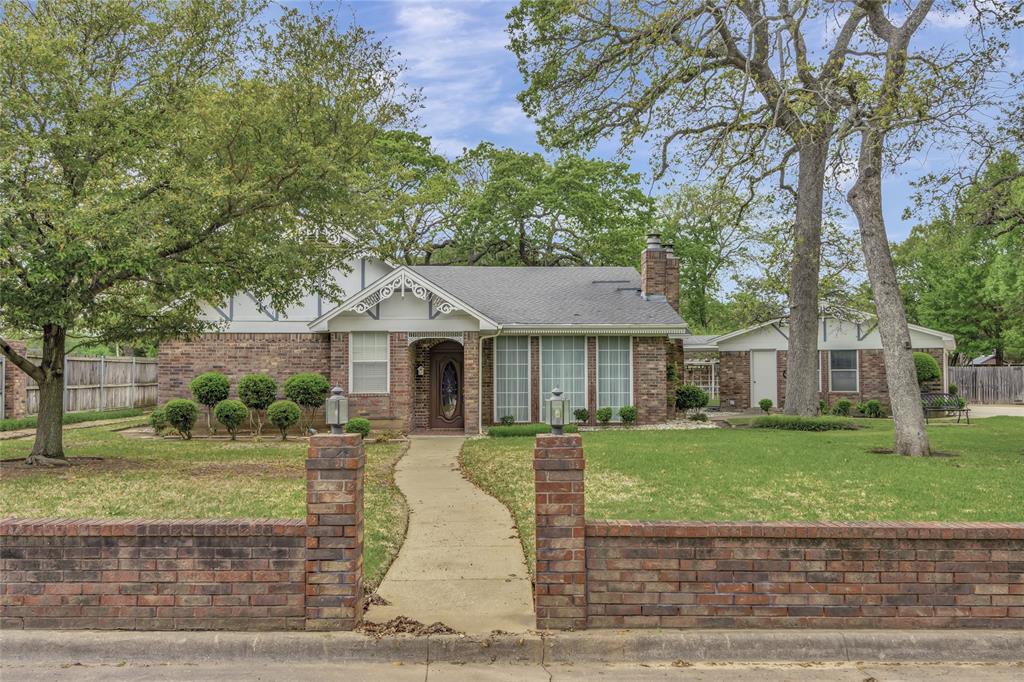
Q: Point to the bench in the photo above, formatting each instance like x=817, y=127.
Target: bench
x=944, y=402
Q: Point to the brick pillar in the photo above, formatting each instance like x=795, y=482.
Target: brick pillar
x=561, y=585
x=334, y=532
x=15, y=386
x=470, y=382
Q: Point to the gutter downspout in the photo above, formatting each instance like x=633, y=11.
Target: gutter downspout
x=480, y=383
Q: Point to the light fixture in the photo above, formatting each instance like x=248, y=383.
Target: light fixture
x=558, y=407
x=337, y=410
x=419, y=370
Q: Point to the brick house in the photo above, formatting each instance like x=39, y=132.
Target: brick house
x=752, y=361
x=459, y=347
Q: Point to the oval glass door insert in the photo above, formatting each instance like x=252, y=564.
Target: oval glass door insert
x=449, y=390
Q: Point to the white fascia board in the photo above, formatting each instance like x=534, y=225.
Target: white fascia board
x=594, y=329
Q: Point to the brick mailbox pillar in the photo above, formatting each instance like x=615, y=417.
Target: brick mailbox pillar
x=334, y=532
x=561, y=586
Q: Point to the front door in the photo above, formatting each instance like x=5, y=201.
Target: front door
x=446, y=386
x=763, y=379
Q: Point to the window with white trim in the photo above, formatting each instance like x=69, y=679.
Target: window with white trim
x=563, y=364
x=614, y=373
x=512, y=377
x=843, y=371
x=368, y=362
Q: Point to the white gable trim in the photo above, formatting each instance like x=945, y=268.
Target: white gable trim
x=948, y=339
x=400, y=281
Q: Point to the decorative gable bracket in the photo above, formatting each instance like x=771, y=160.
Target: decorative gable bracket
x=400, y=282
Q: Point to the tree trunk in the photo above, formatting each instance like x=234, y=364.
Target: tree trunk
x=865, y=198
x=802, y=355
x=48, y=449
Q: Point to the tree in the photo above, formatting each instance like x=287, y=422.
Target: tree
x=902, y=91
x=732, y=84
x=159, y=155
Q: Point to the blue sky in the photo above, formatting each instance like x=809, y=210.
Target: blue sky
x=454, y=51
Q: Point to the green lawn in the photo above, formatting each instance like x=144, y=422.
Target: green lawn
x=197, y=479
x=754, y=474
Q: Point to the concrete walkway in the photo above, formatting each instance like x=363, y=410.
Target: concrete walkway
x=461, y=563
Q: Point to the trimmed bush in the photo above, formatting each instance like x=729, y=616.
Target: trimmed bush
x=691, y=397
x=525, y=430
x=765, y=404
x=182, y=415
x=792, y=423
x=158, y=420
x=842, y=408
x=953, y=389
x=927, y=368
x=284, y=414
x=628, y=415
x=358, y=425
x=604, y=414
x=257, y=391
x=208, y=389
x=582, y=415
x=508, y=420
x=309, y=391
x=699, y=417
x=231, y=413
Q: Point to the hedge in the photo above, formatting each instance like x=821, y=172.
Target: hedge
x=70, y=418
x=793, y=423
x=525, y=430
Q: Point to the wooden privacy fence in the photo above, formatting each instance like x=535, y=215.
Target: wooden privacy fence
x=989, y=384
x=103, y=384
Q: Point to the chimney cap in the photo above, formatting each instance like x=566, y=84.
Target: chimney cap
x=654, y=240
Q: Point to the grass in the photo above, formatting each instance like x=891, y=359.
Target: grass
x=766, y=475
x=70, y=418
x=197, y=479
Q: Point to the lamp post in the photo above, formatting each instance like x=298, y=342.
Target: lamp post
x=558, y=407
x=337, y=410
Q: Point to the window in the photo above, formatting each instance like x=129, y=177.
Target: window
x=512, y=377
x=843, y=371
x=563, y=364
x=614, y=373
x=368, y=362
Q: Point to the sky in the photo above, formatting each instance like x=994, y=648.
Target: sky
x=455, y=52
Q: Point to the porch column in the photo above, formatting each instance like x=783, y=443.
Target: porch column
x=471, y=382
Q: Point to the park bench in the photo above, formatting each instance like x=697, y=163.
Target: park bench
x=944, y=403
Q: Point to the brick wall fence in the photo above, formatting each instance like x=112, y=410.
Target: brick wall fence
x=198, y=574
x=758, y=575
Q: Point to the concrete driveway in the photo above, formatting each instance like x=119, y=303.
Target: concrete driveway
x=980, y=411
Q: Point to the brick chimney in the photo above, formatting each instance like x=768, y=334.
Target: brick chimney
x=659, y=272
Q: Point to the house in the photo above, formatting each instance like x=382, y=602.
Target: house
x=990, y=360
x=460, y=347
x=752, y=361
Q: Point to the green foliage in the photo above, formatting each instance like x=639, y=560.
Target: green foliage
x=765, y=404
x=208, y=389
x=257, y=391
x=822, y=407
x=358, y=425
x=953, y=389
x=284, y=414
x=699, y=417
x=526, y=430
x=231, y=413
x=604, y=415
x=870, y=408
x=508, y=419
x=794, y=423
x=182, y=415
x=158, y=420
x=627, y=413
x=582, y=415
x=70, y=418
x=927, y=368
x=691, y=397
x=842, y=408
x=309, y=391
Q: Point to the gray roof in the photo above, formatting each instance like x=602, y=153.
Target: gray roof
x=699, y=340
x=552, y=295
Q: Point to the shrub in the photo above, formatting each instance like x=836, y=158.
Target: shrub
x=604, y=414
x=231, y=413
x=953, y=389
x=792, y=423
x=181, y=414
x=582, y=415
x=525, y=430
x=699, y=417
x=284, y=414
x=628, y=415
x=208, y=389
x=927, y=368
x=257, y=391
x=822, y=407
x=873, y=409
x=358, y=425
x=765, y=404
x=842, y=408
x=158, y=420
x=691, y=397
x=309, y=391
x=507, y=420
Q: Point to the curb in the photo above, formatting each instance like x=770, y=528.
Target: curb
x=608, y=646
